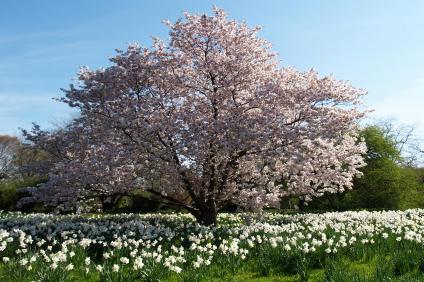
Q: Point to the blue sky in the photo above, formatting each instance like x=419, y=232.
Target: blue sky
x=377, y=45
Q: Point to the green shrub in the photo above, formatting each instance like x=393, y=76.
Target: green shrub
x=11, y=191
x=138, y=202
x=8, y=196
x=385, y=184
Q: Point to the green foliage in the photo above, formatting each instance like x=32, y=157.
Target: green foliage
x=8, y=196
x=139, y=201
x=385, y=184
x=381, y=184
x=412, y=195
x=10, y=191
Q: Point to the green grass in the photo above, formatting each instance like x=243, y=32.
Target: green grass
x=341, y=268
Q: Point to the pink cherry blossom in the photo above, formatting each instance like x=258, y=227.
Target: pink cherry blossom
x=205, y=120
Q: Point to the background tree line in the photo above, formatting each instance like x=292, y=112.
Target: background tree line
x=393, y=177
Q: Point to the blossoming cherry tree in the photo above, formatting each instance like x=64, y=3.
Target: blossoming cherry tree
x=205, y=120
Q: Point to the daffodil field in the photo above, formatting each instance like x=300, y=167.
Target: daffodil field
x=348, y=246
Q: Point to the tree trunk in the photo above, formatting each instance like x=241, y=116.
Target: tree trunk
x=207, y=217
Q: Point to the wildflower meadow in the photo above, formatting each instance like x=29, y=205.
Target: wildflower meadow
x=339, y=246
